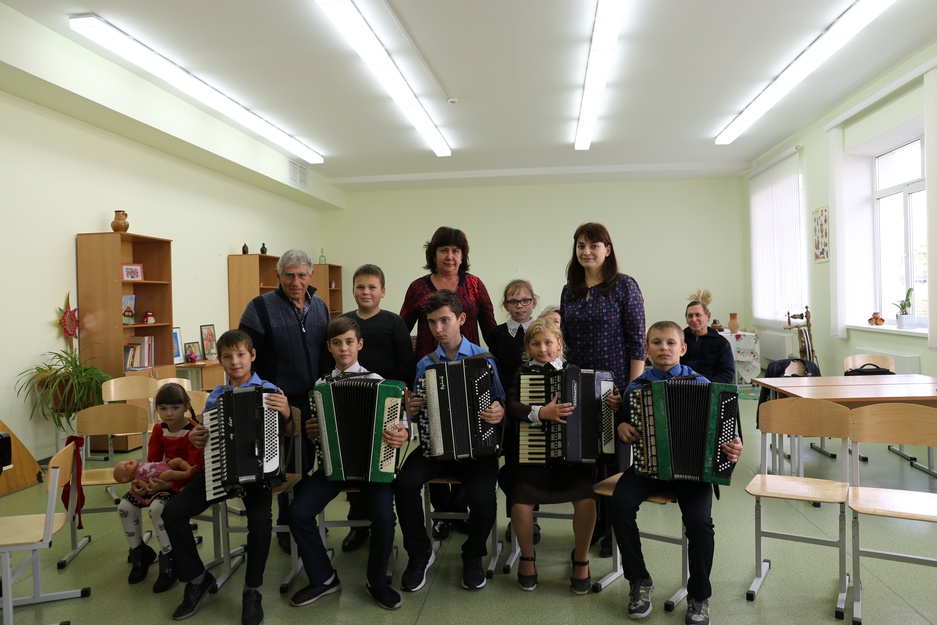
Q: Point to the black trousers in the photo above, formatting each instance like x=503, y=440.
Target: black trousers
x=695, y=500
x=313, y=494
x=479, y=478
x=190, y=501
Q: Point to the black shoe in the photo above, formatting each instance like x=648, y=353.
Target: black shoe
x=605, y=551
x=527, y=582
x=252, y=612
x=311, y=593
x=356, y=537
x=580, y=586
x=536, y=533
x=473, y=572
x=440, y=530
x=283, y=539
x=192, y=596
x=414, y=577
x=386, y=597
x=167, y=573
x=141, y=557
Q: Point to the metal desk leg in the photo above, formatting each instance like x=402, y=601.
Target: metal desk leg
x=901, y=452
x=929, y=469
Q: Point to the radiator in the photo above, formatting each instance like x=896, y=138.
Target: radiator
x=778, y=345
x=904, y=363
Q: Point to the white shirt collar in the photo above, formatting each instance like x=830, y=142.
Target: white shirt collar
x=355, y=368
x=557, y=364
x=513, y=326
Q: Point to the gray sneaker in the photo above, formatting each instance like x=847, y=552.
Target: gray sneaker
x=697, y=612
x=639, y=601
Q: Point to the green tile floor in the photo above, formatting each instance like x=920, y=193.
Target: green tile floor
x=799, y=589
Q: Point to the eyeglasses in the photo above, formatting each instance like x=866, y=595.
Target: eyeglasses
x=514, y=303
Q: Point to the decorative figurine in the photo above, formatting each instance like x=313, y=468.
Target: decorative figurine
x=149, y=317
x=263, y=248
x=876, y=319
x=120, y=223
x=244, y=249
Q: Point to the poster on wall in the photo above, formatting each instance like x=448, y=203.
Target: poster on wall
x=821, y=235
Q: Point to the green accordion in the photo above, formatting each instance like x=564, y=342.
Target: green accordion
x=353, y=414
x=682, y=424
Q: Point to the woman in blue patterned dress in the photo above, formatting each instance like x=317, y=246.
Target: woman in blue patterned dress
x=603, y=323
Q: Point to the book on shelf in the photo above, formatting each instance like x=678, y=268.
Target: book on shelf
x=130, y=352
x=144, y=356
x=127, y=303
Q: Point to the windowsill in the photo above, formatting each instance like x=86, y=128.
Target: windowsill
x=890, y=329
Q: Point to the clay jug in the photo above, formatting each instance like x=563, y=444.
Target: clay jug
x=733, y=322
x=120, y=223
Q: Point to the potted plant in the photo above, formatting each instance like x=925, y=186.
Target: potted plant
x=905, y=318
x=63, y=383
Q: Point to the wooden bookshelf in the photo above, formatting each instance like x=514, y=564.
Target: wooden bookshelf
x=249, y=275
x=100, y=290
x=327, y=279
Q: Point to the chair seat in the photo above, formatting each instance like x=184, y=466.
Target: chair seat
x=27, y=529
x=898, y=504
x=797, y=488
x=291, y=479
x=98, y=477
x=607, y=487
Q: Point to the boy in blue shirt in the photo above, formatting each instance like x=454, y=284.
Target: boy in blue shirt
x=236, y=353
x=665, y=346
x=479, y=476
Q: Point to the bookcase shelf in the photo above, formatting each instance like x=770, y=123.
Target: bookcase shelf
x=249, y=275
x=100, y=292
x=323, y=277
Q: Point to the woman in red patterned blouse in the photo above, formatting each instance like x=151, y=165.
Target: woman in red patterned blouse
x=447, y=258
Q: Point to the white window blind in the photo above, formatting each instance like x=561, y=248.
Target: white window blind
x=778, y=266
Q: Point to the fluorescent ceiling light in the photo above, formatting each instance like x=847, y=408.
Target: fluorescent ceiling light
x=352, y=25
x=128, y=48
x=847, y=26
x=608, y=18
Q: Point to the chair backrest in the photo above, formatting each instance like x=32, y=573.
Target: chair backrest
x=879, y=360
x=895, y=423
x=129, y=387
x=198, y=400
x=804, y=417
x=185, y=383
x=64, y=461
x=112, y=419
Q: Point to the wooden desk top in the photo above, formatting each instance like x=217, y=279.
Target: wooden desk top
x=198, y=364
x=875, y=389
x=846, y=380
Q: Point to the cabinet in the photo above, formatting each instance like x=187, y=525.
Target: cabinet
x=249, y=275
x=101, y=287
x=327, y=279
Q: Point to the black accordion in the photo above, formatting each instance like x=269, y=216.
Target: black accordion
x=243, y=445
x=456, y=393
x=589, y=433
x=353, y=414
x=682, y=424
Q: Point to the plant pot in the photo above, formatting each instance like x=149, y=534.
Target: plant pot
x=906, y=321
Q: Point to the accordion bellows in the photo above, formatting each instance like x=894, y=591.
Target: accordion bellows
x=353, y=414
x=682, y=424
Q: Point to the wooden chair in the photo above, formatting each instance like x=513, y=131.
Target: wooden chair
x=134, y=389
x=185, y=383
x=33, y=533
x=801, y=417
x=198, y=400
x=102, y=420
x=606, y=488
x=907, y=424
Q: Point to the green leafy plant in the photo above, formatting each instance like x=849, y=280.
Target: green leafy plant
x=62, y=384
x=904, y=305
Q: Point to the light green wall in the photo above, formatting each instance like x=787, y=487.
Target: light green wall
x=60, y=177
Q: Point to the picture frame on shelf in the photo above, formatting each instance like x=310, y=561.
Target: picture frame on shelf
x=131, y=272
x=193, y=349
x=178, y=356
x=209, y=349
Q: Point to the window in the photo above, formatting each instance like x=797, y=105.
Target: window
x=778, y=250
x=900, y=230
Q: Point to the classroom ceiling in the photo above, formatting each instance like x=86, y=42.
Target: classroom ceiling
x=683, y=70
